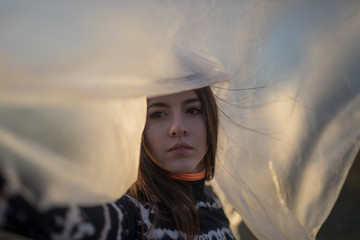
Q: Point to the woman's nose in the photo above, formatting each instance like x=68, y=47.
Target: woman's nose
x=178, y=128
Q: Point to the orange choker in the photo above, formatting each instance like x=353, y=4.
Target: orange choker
x=189, y=176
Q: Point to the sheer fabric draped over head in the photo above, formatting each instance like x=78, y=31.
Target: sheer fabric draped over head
x=75, y=77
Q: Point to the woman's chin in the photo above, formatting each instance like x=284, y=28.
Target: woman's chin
x=185, y=169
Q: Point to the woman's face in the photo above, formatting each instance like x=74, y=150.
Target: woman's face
x=175, y=132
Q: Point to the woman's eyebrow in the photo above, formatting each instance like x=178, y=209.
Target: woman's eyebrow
x=157, y=104
x=191, y=100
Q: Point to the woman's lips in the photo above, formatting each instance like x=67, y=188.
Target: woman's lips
x=180, y=148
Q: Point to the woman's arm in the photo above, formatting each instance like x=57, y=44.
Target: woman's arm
x=117, y=220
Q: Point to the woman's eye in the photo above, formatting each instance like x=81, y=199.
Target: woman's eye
x=193, y=110
x=156, y=115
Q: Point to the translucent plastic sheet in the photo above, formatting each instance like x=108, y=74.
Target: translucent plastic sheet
x=74, y=77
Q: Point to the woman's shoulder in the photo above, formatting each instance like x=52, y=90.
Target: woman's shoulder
x=136, y=208
x=129, y=201
x=128, y=206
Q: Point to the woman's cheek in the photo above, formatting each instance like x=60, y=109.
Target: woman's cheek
x=153, y=137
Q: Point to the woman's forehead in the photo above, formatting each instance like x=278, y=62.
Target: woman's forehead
x=174, y=98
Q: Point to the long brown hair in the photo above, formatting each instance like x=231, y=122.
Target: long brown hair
x=154, y=185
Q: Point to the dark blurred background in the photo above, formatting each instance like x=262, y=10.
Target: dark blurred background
x=344, y=220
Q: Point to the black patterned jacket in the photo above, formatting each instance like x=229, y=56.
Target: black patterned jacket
x=125, y=218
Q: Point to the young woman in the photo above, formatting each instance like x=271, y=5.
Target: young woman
x=169, y=200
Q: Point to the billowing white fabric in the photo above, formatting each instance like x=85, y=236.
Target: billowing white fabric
x=75, y=76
